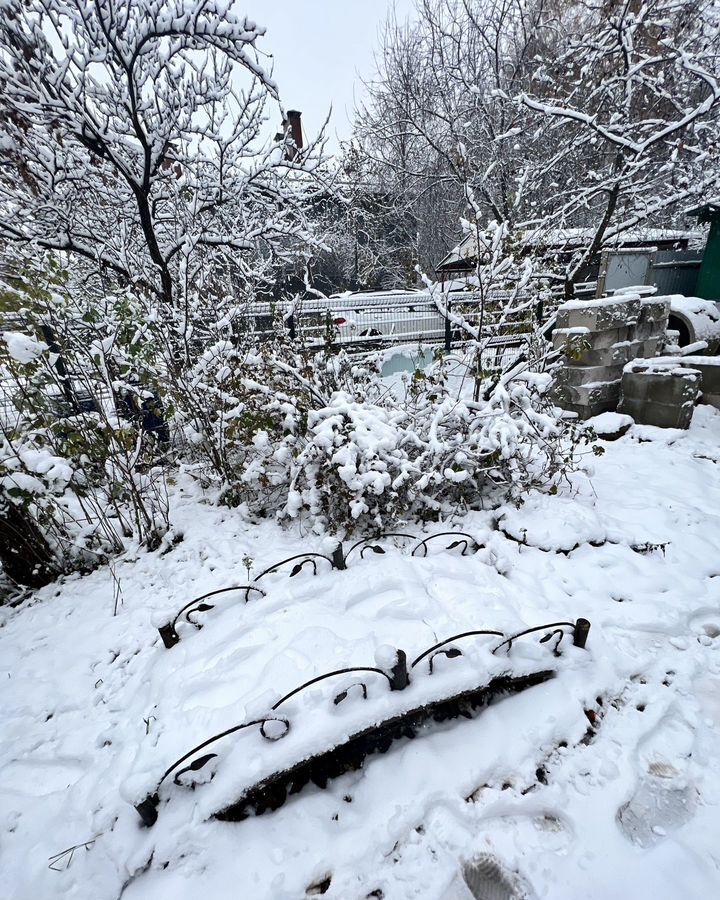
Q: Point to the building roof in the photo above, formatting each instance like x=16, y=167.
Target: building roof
x=706, y=211
x=465, y=253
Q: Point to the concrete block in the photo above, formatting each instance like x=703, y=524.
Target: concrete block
x=708, y=366
x=588, y=412
x=574, y=342
x=659, y=392
x=602, y=314
x=595, y=393
x=653, y=318
x=648, y=348
x=654, y=309
x=662, y=415
x=645, y=330
x=710, y=399
x=580, y=375
x=710, y=372
x=672, y=385
x=617, y=355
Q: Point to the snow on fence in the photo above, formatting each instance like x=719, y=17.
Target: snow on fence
x=362, y=323
x=337, y=560
x=371, y=321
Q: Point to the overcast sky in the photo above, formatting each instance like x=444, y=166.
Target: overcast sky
x=320, y=49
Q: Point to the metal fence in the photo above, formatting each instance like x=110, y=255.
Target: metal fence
x=364, y=322
x=671, y=271
x=676, y=271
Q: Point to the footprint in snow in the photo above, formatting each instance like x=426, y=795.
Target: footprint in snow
x=488, y=878
x=705, y=623
x=665, y=797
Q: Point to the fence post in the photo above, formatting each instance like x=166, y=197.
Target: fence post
x=448, y=330
x=399, y=678
x=291, y=324
x=582, y=627
x=338, y=558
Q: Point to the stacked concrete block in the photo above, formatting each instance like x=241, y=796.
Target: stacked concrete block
x=597, y=338
x=659, y=392
x=709, y=369
x=651, y=325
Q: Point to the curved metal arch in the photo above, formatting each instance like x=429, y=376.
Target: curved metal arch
x=455, y=637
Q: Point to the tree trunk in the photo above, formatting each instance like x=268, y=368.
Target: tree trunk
x=25, y=555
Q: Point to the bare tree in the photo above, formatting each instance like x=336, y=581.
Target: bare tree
x=138, y=145
x=136, y=136
x=630, y=101
x=542, y=115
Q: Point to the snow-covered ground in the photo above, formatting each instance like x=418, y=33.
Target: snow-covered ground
x=601, y=783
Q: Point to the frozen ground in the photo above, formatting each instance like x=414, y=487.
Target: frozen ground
x=602, y=783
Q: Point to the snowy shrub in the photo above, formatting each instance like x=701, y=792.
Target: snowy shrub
x=370, y=465
x=112, y=390
x=76, y=455
x=307, y=435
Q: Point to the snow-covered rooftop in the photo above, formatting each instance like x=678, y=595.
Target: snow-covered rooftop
x=570, y=238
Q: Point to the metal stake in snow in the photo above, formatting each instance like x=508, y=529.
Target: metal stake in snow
x=376, y=736
x=394, y=663
x=399, y=678
x=338, y=558
x=580, y=633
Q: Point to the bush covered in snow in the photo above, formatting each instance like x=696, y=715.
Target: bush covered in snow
x=269, y=426
x=307, y=434
x=76, y=461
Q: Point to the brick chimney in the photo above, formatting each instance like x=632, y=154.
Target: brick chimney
x=293, y=129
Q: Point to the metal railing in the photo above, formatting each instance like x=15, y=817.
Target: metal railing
x=362, y=323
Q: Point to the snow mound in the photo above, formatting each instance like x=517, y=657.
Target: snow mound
x=561, y=782
x=704, y=315
x=22, y=347
x=610, y=425
x=553, y=523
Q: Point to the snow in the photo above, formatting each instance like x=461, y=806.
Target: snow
x=578, y=329
x=575, y=237
x=661, y=365
x=694, y=360
x=602, y=782
x=22, y=347
x=595, y=302
x=704, y=315
x=610, y=423
x=646, y=292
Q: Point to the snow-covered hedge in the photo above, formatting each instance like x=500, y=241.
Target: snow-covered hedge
x=268, y=426
x=319, y=438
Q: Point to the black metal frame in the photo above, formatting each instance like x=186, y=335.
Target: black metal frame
x=271, y=792
x=338, y=561
x=169, y=633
